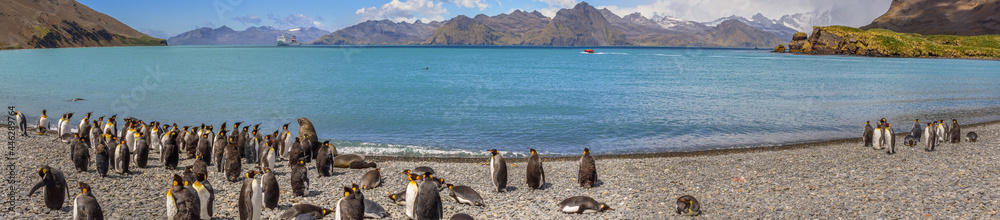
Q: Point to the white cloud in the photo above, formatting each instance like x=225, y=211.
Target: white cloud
x=408, y=11
x=481, y=4
x=252, y=19
x=296, y=20
x=852, y=12
x=554, y=6
x=559, y=3
x=499, y=4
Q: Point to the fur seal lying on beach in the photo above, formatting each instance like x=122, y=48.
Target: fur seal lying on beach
x=345, y=160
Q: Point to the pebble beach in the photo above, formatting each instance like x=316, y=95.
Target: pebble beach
x=837, y=179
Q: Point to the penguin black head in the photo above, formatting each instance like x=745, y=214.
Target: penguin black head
x=954, y=121
x=348, y=191
x=232, y=140
x=586, y=151
x=302, y=161
x=355, y=187
x=43, y=112
x=252, y=173
x=222, y=132
x=326, y=143
x=285, y=126
x=449, y=186
x=245, y=128
x=178, y=180
x=412, y=177
x=868, y=122
x=88, y=114
x=494, y=152
x=882, y=120
x=254, y=132
x=392, y=197
x=83, y=187
x=42, y=171
x=533, y=152
x=605, y=207
x=296, y=139
x=201, y=177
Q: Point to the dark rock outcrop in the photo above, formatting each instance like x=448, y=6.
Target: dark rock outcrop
x=941, y=17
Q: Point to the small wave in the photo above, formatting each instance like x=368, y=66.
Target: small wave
x=600, y=53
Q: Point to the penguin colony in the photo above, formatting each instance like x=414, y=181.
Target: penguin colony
x=191, y=196
x=929, y=135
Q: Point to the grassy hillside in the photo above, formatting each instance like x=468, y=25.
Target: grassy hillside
x=882, y=42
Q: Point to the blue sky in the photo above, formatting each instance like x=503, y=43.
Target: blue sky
x=168, y=18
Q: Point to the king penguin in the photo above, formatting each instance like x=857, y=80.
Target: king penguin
x=535, y=173
x=428, y=202
x=877, y=137
x=351, y=206
x=122, y=158
x=582, y=204
x=371, y=179
x=688, y=205
x=141, y=153
x=219, y=149
x=411, y=195
x=250, y=200
x=588, y=170
x=43, y=123
x=84, y=126
x=55, y=191
x=232, y=165
x=498, y=170
x=85, y=205
x=22, y=123
x=942, y=131
x=971, y=136
x=269, y=186
x=181, y=202
x=305, y=209
x=101, y=159
x=956, y=132
x=915, y=131
x=930, y=137
x=171, y=152
x=890, y=139
x=465, y=195
x=300, y=178
x=324, y=160
x=81, y=154
x=867, y=135
x=206, y=195
x=204, y=151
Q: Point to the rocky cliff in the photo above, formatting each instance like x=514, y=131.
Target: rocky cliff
x=63, y=23
x=463, y=30
x=886, y=43
x=941, y=17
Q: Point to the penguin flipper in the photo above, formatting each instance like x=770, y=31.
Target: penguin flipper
x=38, y=185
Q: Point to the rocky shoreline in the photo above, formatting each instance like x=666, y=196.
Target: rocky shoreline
x=841, y=40
x=834, y=179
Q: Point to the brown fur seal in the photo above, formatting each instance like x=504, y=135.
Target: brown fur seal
x=344, y=161
x=306, y=128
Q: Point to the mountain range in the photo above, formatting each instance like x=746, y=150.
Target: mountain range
x=582, y=25
x=263, y=35
x=63, y=23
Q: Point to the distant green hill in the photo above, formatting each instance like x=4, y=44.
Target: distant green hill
x=886, y=43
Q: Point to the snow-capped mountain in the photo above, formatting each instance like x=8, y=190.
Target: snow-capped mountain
x=759, y=21
x=804, y=22
x=678, y=24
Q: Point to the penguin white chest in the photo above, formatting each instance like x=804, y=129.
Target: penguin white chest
x=571, y=209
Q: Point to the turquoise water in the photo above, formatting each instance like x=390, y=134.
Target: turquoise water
x=464, y=100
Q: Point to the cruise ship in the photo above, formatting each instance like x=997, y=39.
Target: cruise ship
x=286, y=41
